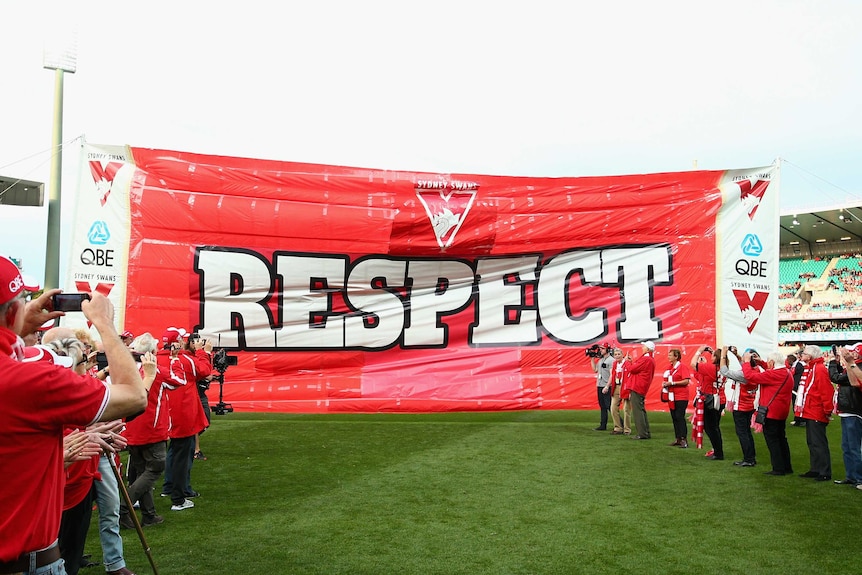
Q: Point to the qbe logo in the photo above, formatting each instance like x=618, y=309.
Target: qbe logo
x=99, y=233
x=753, y=248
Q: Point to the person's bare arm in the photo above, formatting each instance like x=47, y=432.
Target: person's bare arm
x=128, y=393
x=37, y=312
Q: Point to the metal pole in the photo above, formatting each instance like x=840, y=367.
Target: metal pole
x=52, y=246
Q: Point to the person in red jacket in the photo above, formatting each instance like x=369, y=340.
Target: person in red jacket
x=676, y=380
x=776, y=389
x=710, y=386
x=147, y=437
x=621, y=393
x=183, y=368
x=740, y=402
x=641, y=374
x=814, y=405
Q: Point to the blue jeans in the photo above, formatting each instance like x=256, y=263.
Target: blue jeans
x=55, y=568
x=851, y=446
x=108, y=500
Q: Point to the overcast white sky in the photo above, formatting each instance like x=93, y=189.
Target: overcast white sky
x=544, y=88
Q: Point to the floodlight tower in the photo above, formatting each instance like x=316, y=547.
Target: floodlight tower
x=61, y=57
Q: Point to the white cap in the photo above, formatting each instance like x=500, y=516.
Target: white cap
x=649, y=345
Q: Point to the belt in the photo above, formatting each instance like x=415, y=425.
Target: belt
x=22, y=563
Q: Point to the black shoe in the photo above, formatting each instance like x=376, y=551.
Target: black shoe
x=809, y=474
x=126, y=521
x=773, y=472
x=715, y=457
x=640, y=437
x=191, y=494
x=823, y=478
x=152, y=520
x=600, y=428
x=747, y=463
x=845, y=482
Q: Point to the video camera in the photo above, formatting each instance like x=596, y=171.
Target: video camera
x=221, y=361
x=594, y=350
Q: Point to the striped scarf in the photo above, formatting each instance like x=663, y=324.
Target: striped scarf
x=697, y=422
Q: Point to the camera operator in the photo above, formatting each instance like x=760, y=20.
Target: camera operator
x=39, y=400
x=844, y=365
x=184, y=367
x=601, y=363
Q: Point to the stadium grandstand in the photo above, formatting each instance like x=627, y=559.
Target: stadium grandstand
x=820, y=277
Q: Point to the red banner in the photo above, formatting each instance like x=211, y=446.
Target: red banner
x=347, y=289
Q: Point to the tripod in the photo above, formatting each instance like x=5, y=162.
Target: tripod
x=221, y=407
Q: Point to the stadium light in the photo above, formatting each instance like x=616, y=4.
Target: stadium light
x=60, y=55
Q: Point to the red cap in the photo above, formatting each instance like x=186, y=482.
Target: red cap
x=173, y=334
x=856, y=348
x=11, y=282
x=42, y=353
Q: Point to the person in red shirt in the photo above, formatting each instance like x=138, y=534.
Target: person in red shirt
x=676, y=380
x=641, y=374
x=814, y=405
x=776, y=389
x=709, y=390
x=39, y=400
x=621, y=393
x=147, y=437
x=740, y=402
x=183, y=368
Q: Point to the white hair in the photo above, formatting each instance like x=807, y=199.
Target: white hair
x=145, y=343
x=813, y=350
x=776, y=357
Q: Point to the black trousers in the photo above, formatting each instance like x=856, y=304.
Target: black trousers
x=711, y=421
x=605, y=406
x=775, y=435
x=742, y=425
x=677, y=415
x=818, y=447
x=182, y=452
x=74, y=524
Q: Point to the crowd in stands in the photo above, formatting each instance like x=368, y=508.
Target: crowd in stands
x=820, y=326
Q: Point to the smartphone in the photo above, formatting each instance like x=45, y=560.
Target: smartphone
x=834, y=351
x=68, y=301
x=101, y=360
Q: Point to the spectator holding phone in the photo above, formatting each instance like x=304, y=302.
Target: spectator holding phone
x=32, y=466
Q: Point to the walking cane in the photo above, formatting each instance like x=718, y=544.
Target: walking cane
x=131, y=506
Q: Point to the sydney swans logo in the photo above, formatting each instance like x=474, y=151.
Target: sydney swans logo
x=446, y=205
x=103, y=176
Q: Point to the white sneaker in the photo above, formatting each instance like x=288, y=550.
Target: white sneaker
x=186, y=504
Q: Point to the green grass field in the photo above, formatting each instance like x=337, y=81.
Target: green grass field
x=492, y=493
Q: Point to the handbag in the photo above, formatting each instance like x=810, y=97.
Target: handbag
x=709, y=401
x=760, y=416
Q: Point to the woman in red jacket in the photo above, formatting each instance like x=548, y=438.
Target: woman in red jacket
x=814, y=405
x=676, y=380
x=776, y=389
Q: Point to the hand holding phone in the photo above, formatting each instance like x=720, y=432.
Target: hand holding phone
x=68, y=301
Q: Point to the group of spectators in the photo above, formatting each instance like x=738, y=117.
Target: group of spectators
x=67, y=418
x=820, y=326
x=760, y=392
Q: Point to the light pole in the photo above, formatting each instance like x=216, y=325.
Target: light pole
x=61, y=58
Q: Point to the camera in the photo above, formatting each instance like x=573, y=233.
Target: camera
x=834, y=350
x=594, y=350
x=221, y=360
x=68, y=301
x=707, y=349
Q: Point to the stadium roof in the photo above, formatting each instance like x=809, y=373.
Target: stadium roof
x=832, y=225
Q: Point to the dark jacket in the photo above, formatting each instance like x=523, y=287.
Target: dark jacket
x=849, y=397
